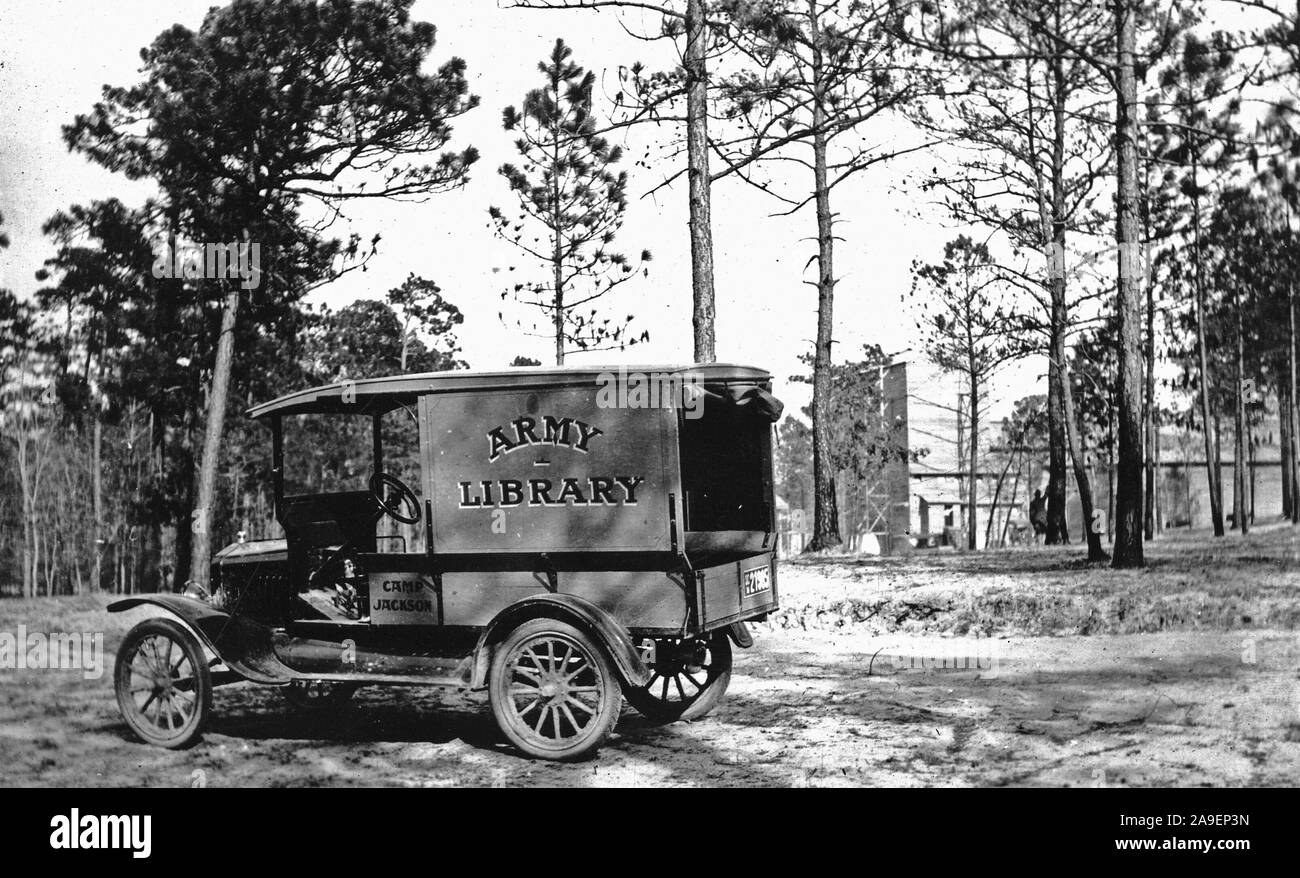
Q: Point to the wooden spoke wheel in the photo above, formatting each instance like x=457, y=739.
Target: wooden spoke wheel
x=553, y=691
x=164, y=687
x=318, y=695
x=689, y=678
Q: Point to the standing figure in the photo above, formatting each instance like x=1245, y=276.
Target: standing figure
x=1038, y=514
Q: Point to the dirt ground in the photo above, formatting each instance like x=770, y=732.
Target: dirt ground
x=936, y=670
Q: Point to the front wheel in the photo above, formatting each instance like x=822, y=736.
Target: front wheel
x=689, y=678
x=553, y=690
x=164, y=687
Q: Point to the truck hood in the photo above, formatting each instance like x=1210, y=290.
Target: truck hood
x=253, y=552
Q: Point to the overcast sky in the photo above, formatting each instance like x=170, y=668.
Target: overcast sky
x=55, y=56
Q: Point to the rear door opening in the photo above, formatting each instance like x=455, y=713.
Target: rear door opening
x=726, y=465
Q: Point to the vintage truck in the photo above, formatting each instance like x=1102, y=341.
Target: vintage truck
x=559, y=537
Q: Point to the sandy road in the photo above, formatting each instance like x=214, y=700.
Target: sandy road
x=1190, y=708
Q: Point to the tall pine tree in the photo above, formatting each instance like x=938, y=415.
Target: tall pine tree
x=571, y=199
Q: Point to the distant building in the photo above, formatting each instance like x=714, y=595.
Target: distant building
x=924, y=503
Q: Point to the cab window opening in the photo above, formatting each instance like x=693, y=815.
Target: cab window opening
x=326, y=453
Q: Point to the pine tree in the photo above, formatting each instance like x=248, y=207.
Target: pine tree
x=571, y=201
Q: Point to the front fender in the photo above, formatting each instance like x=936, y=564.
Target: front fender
x=243, y=645
x=580, y=613
x=206, y=621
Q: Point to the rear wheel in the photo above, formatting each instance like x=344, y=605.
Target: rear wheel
x=689, y=678
x=164, y=687
x=553, y=690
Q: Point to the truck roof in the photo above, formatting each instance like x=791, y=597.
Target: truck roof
x=383, y=394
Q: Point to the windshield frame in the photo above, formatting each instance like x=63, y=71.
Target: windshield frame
x=277, y=451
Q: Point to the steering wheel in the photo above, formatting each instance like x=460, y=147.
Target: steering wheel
x=396, y=507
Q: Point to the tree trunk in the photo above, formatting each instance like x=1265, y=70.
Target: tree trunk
x=557, y=224
x=184, y=535
x=1250, y=464
x=1149, y=416
x=972, y=516
x=1057, y=529
x=1110, y=464
x=1218, y=448
x=148, y=574
x=1060, y=325
x=1212, y=474
x=1292, y=474
x=1015, y=493
x=697, y=158
x=1284, y=428
x=1095, y=551
x=1057, y=412
x=1239, y=514
x=997, y=495
x=29, y=528
x=406, y=342
x=201, y=525
x=32, y=458
x=826, y=531
x=1128, y=499
x=559, y=309
x=1151, y=523
x=97, y=495
x=557, y=269
x=1160, y=496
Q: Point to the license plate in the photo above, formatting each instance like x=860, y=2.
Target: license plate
x=755, y=581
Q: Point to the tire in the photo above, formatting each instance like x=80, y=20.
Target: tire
x=164, y=687
x=553, y=690
x=687, y=683
x=318, y=695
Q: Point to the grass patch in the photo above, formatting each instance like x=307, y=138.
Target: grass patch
x=1192, y=581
